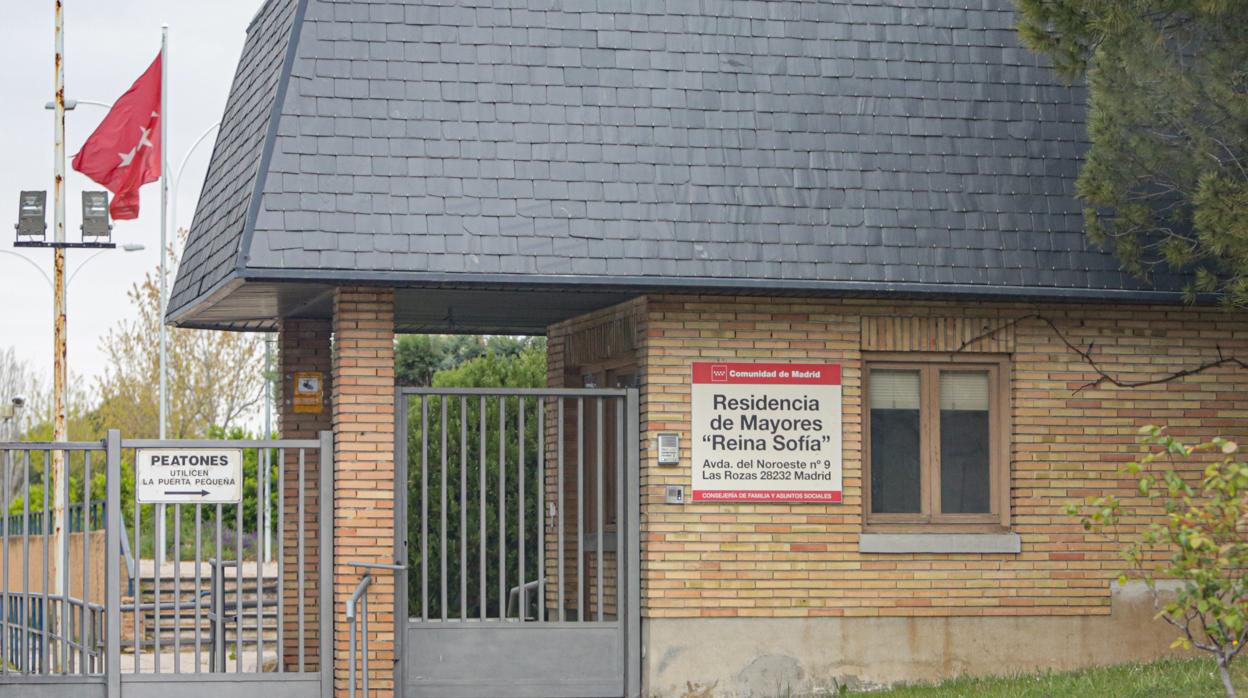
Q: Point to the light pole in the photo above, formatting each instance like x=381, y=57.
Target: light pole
x=127, y=247
x=60, y=425
x=32, y=263
x=11, y=413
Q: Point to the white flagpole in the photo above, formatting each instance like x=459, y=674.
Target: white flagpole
x=164, y=245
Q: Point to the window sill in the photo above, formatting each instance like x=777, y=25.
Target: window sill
x=939, y=543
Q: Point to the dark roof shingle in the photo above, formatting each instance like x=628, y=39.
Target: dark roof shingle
x=870, y=142
x=212, y=247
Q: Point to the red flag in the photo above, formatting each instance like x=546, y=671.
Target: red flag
x=123, y=153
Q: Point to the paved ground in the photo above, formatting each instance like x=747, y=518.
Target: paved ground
x=186, y=569
x=186, y=661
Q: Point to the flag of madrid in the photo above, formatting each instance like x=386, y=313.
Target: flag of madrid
x=123, y=153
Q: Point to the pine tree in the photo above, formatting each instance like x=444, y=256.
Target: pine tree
x=1165, y=180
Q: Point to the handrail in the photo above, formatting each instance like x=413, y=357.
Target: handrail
x=513, y=596
x=359, y=599
x=28, y=614
x=125, y=550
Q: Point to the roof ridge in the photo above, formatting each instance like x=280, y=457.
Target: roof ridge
x=270, y=140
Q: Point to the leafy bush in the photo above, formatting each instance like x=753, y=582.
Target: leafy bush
x=1201, y=542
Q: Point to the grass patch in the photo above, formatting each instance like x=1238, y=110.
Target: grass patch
x=1167, y=678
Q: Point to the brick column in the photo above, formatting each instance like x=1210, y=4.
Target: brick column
x=303, y=345
x=364, y=472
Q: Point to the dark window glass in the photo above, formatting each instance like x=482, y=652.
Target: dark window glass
x=896, y=481
x=965, y=481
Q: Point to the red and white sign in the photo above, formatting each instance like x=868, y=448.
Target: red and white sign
x=766, y=432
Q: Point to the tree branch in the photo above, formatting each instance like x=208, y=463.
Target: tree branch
x=1086, y=354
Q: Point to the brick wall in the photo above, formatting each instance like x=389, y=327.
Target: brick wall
x=781, y=560
x=303, y=345
x=364, y=472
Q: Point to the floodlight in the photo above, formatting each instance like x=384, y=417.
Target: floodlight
x=95, y=225
x=31, y=216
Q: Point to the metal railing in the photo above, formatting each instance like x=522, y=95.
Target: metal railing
x=51, y=634
x=357, y=622
x=46, y=630
x=89, y=518
x=515, y=605
x=196, y=625
x=61, y=608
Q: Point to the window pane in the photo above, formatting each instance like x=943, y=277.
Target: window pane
x=896, y=484
x=965, y=485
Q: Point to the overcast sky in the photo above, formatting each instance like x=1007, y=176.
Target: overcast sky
x=107, y=46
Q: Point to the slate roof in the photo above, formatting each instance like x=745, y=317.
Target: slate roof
x=764, y=144
x=222, y=212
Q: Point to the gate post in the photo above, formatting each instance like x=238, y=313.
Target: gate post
x=632, y=557
x=112, y=564
x=325, y=576
x=364, y=473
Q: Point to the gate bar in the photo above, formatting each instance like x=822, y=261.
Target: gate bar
x=137, y=578
x=541, y=510
x=559, y=513
x=112, y=565
x=6, y=597
x=217, y=443
x=580, y=509
x=63, y=604
x=424, y=508
x=199, y=516
x=262, y=488
x=86, y=554
x=303, y=544
x=463, y=508
x=24, y=614
x=325, y=580
x=598, y=554
x=177, y=589
x=527, y=392
x=621, y=508
x=502, y=507
x=44, y=620
x=482, y=485
x=281, y=561
x=523, y=592
x=631, y=574
x=218, y=603
x=442, y=495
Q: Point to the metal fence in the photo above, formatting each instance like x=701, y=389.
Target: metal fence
x=49, y=626
x=81, y=518
x=213, y=609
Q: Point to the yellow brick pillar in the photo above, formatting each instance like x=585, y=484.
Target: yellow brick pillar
x=364, y=473
x=303, y=347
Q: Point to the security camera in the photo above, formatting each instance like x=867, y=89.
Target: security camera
x=19, y=400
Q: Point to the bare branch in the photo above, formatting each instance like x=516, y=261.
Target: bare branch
x=1086, y=354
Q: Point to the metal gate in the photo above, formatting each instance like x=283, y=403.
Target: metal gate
x=89, y=608
x=519, y=539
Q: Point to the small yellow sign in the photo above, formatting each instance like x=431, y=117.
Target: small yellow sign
x=309, y=392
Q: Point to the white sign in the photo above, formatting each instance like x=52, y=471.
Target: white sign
x=197, y=475
x=766, y=432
